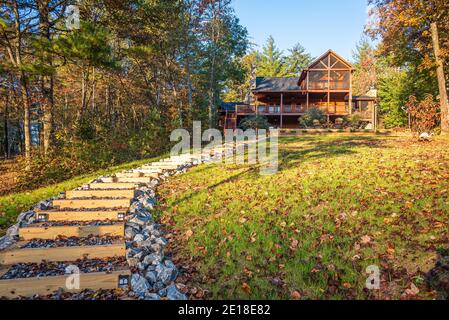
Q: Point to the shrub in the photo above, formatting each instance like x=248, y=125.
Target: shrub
x=312, y=115
x=354, y=121
x=425, y=114
x=254, y=122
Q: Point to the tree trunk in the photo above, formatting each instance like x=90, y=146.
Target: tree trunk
x=93, y=89
x=84, y=78
x=47, y=85
x=26, y=114
x=441, y=80
x=6, y=117
x=17, y=61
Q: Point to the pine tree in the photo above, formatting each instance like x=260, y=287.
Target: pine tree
x=272, y=62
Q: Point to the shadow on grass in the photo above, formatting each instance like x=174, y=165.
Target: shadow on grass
x=215, y=185
x=294, y=150
x=313, y=148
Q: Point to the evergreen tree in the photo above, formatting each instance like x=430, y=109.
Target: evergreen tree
x=297, y=60
x=271, y=62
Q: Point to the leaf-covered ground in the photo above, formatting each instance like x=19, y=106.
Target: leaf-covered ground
x=339, y=204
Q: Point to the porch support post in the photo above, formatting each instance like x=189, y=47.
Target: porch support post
x=307, y=104
x=350, y=92
x=282, y=109
x=257, y=106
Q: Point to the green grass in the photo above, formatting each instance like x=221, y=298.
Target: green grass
x=12, y=205
x=339, y=203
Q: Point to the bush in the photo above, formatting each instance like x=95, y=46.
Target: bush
x=354, y=121
x=254, y=122
x=425, y=114
x=312, y=115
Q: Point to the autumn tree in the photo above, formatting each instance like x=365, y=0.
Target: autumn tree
x=415, y=31
x=365, y=65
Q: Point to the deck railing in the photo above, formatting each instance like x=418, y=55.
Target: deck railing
x=334, y=108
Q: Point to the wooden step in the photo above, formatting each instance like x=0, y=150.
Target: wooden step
x=102, y=215
x=112, y=186
x=38, y=255
x=167, y=166
x=137, y=174
x=76, y=194
x=151, y=171
x=47, y=285
x=126, y=180
x=51, y=233
x=91, y=203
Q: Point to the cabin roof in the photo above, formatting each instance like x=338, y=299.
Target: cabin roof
x=292, y=84
x=229, y=106
x=276, y=84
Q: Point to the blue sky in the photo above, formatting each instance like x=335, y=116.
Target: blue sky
x=318, y=25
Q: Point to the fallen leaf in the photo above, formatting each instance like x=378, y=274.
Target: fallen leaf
x=294, y=244
x=246, y=288
x=413, y=291
x=243, y=220
x=366, y=239
x=296, y=295
x=189, y=234
x=438, y=225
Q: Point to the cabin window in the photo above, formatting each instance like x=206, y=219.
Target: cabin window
x=339, y=80
x=262, y=109
x=364, y=106
x=318, y=80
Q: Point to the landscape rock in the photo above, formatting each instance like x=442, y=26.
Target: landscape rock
x=26, y=218
x=174, y=294
x=166, y=274
x=152, y=259
x=44, y=205
x=139, y=238
x=151, y=277
x=13, y=231
x=152, y=296
x=130, y=233
x=6, y=242
x=139, y=284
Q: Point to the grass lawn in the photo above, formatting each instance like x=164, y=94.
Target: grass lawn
x=12, y=205
x=339, y=203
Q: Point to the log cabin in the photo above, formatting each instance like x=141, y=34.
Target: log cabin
x=326, y=84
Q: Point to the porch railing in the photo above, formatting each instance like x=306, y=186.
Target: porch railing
x=333, y=108
x=271, y=109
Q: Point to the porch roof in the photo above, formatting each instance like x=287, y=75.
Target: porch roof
x=276, y=84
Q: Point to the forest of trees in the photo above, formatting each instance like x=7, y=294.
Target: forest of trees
x=77, y=98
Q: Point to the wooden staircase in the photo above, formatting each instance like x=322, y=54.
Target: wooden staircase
x=96, y=211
